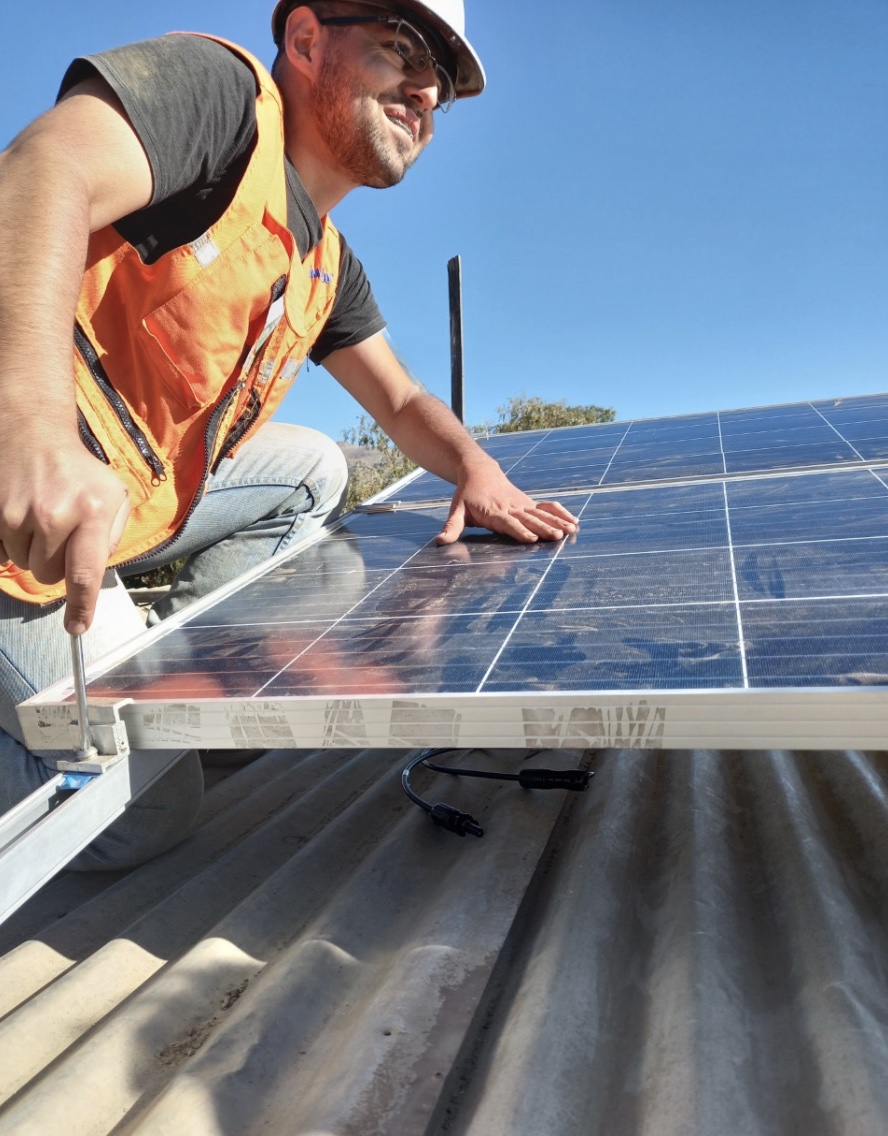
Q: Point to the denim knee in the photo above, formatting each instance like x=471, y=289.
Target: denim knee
x=155, y=822
x=330, y=476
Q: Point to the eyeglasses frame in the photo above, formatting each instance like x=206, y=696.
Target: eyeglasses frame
x=446, y=84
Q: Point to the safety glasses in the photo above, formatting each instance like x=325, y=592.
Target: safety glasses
x=410, y=47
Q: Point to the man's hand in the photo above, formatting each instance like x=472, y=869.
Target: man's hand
x=76, y=169
x=487, y=499
x=424, y=429
x=62, y=514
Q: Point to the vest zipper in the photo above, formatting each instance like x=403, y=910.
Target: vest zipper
x=247, y=417
x=89, y=439
x=209, y=437
x=98, y=372
x=251, y=412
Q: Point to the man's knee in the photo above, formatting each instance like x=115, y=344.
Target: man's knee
x=329, y=476
x=155, y=822
x=283, y=453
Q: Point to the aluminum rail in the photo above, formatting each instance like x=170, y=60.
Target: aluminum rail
x=46, y=830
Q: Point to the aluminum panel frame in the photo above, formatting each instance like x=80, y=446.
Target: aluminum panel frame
x=749, y=719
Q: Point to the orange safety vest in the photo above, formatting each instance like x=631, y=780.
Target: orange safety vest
x=174, y=362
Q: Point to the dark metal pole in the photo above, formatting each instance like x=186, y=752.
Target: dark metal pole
x=457, y=375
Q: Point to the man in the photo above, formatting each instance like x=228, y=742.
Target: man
x=174, y=207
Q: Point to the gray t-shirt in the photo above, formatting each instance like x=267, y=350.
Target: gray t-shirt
x=192, y=103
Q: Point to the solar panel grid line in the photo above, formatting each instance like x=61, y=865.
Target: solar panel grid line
x=832, y=426
x=709, y=479
x=335, y=623
x=813, y=540
x=538, y=443
x=522, y=612
x=614, y=454
x=825, y=597
x=743, y=476
x=737, y=611
x=655, y=604
x=520, y=615
x=721, y=445
x=647, y=605
x=699, y=479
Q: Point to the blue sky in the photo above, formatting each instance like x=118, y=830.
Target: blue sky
x=662, y=206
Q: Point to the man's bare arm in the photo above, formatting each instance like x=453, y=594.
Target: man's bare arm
x=74, y=170
x=429, y=433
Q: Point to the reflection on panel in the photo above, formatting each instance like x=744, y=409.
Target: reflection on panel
x=817, y=643
x=678, y=647
x=629, y=578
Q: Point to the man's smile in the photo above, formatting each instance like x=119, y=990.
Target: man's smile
x=406, y=120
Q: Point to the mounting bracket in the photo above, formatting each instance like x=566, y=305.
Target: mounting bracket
x=55, y=729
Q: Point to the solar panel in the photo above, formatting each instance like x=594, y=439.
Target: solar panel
x=841, y=432
x=727, y=588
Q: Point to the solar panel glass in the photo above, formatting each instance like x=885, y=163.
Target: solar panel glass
x=716, y=581
x=754, y=440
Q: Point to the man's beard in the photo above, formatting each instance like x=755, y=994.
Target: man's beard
x=350, y=120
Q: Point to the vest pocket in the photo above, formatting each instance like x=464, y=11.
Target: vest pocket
x=113, y=411
x=200, y=338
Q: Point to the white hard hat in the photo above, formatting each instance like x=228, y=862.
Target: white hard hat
x=446, y=19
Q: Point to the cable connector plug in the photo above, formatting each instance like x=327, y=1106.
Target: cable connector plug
x=575, y=779
x=454, y=821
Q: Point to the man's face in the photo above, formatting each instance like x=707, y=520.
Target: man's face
x=375, y=119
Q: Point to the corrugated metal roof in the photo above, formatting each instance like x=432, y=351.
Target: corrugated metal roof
x=696, y=945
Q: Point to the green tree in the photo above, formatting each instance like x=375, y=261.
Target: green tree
x=525, y=412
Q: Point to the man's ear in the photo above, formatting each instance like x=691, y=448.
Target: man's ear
x=301, y=41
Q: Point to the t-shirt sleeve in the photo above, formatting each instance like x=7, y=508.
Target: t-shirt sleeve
x=355, y=316
x=191, y=101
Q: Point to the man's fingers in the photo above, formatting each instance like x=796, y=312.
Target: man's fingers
x=17, y=549
x=532, y=524
x=454, y=524
x=512, y=513
x=87, y=553
x=46, y=554
x=549, y=525
x=541, y=525
x=119, y=524
x=83, y=582
x=559, y=511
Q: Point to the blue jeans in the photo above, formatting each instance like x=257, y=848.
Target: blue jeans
x=282, y=486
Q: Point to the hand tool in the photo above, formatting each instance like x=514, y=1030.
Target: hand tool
x=86, y=750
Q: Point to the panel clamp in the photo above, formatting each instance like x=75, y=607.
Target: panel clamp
x=108, y=738
x=378, y=507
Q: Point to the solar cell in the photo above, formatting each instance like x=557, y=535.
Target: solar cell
x=675, y=615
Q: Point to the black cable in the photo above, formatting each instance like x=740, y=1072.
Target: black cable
x=454, y=820
x=575, y=780
x=442, y=814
